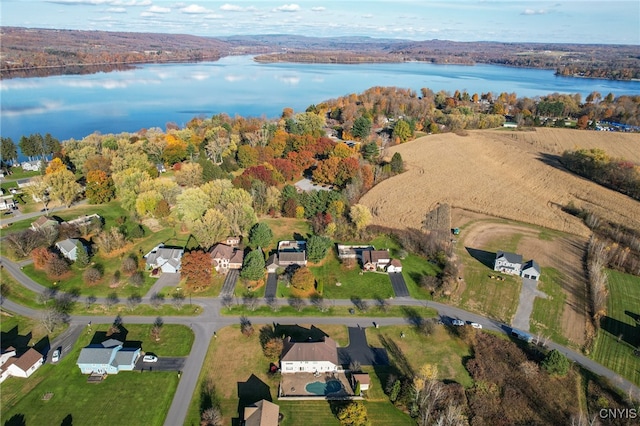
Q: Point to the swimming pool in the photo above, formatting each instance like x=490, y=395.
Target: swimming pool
x=324, y=388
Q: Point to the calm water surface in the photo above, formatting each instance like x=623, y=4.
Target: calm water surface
x=153, y=95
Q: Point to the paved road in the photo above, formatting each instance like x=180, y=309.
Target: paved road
x=66, y=340
x=16, y=217
x=230, y=283
x=210, y=321
x=272, y=286
x=399, y=285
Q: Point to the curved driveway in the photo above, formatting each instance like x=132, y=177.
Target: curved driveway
x=210, y=321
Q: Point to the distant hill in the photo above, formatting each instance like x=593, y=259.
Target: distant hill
x=28, y=52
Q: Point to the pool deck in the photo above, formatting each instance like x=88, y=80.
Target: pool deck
x=294, y=385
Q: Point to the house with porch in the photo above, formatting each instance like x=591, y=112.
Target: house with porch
x=107, y=357
x=508, y=263
x=224, y=257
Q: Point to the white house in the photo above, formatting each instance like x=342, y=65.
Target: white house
x=394, y=266
x=309, y=357
x=508, y=263
x=107, y=357
x=531, y=270
x=69, y=248
x=166, y=259
x=32, y=166
x=7, y=203
x=23, y=366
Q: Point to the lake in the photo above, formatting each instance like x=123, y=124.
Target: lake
x=73, y=106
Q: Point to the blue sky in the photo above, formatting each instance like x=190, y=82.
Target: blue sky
x=459, y=20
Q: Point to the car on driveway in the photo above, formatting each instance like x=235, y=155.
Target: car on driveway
x=150, y=358
x=476, y=325
x=56, y=356
x=457, y=322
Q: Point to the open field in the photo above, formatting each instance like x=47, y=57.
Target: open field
x=125, y=396
x=620, y=333
x=560, y=256
x=513, y=175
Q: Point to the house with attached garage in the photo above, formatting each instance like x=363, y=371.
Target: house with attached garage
x=167, y=259
x=292, y=253
x=372, y=260
x=262, y=413
x=224, y=257
x=107, y=357
x=511, y=263
x=309, y=356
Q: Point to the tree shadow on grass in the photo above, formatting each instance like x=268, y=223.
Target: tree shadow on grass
x=16, y=420
x=250, y=392
x=627, y=333
x=13, y=338
x=487, y=258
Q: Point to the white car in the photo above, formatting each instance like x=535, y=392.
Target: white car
x=150, y=358
x=476, y=325
x=457, y=322
x=56, y=356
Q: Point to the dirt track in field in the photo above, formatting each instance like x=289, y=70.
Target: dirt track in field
x=563, y=253
x=513, y=175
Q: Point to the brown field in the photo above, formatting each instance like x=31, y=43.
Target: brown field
x=509, y=174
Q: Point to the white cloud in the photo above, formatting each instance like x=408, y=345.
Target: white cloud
x=159, y=9
x=318, y=9
x=231, y=8
x=194, y=9
x=117, y=10
x=534, y=12
x=101, y=2
x=287, y=8
x=367, y=16
x=214, y=16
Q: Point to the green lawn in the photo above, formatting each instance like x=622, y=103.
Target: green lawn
x=482, y=294
x=145, y=397
x=620, y=333
x=546, y=317
x=283, y=229
x=309, y=310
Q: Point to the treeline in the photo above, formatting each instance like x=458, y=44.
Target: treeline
x=615, y=173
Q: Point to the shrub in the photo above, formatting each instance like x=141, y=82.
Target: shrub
x=91, y=276
x=56, y=266
x=137, y=231
x=303, y=280
x=137, y=279
x=556, y=363
x=129, y=265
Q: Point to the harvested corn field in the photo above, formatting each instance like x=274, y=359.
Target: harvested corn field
x=514, y=175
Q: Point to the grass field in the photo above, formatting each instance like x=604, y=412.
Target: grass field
x=309, y=310
x=620, y=333
x=129, y=397
x=546, y=318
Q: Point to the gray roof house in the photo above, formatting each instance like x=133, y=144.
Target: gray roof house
x=508, y=263
x=69, y=248
x=292, y=253
x=107, y=357
x=531, y=270
x=167, y=259
x=224, y=257
x=262, y=413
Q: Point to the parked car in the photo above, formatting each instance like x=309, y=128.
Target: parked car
x=457, y=322
x=56, y=356
x=476, y=325
x=150, y=358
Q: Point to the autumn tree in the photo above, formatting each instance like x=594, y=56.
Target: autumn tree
x=190, y=174
x=39, y=190
x=247, y=156
x=191, y=204
x=360, y=216
x=260, y=235
x=303, y=281
x=354, y=413
x=99, y=188
x=63, y=186
x=196, y=268
x=402, y=131
x=253, y=265
x=212, y=227
x=128, y=184
x=175, y=149
x=272, y=348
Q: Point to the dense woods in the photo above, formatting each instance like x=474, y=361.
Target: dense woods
x=28, y=52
